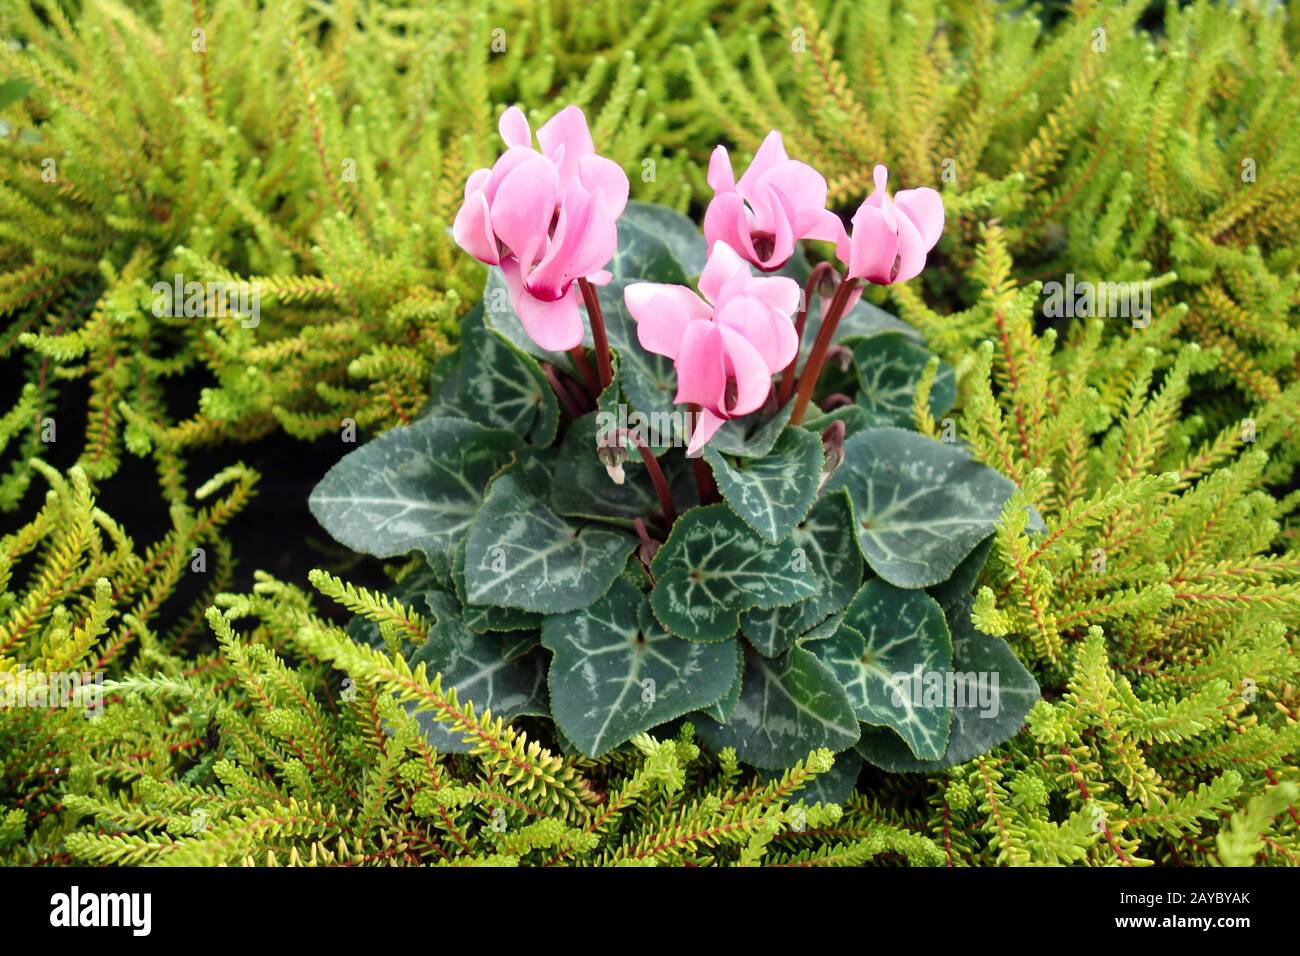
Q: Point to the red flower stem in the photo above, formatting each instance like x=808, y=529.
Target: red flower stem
x=704, y=483
x=598, y=336
x=817, y=357
x=561, y=392
x=786, y=387
x=657, y=479
x=579, y=356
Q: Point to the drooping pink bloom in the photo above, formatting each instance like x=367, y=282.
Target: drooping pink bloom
x=777, y=202
x=726, y=343
x=891, y=237
x=546, y=217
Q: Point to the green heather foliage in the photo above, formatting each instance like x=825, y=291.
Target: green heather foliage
x=1135, y=578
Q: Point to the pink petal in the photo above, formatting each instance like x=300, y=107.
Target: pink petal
x=924, y=207
x=476, y=181
x=723, y=265
x=911, y=251
x=706, y=424
x=555, y=326
x=584, y=241
x=780, y=225
x=746, y=366
x=566, y=130
x=799, y=183
x=662, y=313
x=872, y=248
x=771, y=335
x=721, y=178
x=506, y=164
x=701, y=368
x=726, y=222
x=778, y=292
x=472, y=229
x=523, y=206
x=513, y=127
x=822, y=225
x=605, y=176
x=769, y=154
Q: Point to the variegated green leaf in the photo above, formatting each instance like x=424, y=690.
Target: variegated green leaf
x=499, y=385
x=644, y=255
x=616, y=672
x=521, y=554
x=487, y=617
x=854, y=417
x=480, y=668
x=750, y=437
x=919, y=506
x=787, y=708
x=721, y=711
x=992, y=694
x=891, y=643
x=677, y=231
x=649, y=380
x=712, y=567
x=583, y=487
x=826, y=538
x=889, y=366
x=774, y=493
x=414, y=487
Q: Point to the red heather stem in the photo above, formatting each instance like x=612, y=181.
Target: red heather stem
x=820, y=271
x=817, y=357
x=598, y=336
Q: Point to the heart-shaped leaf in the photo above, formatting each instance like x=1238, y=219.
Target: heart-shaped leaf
x=480, y=669
x=889, y=366
x=957, y=589
x=497, y=384
x=583, y=487
x=919, y=506
x=993, y=689
x=643, y=255
x=854, y=417
x=521, y=554
x=787, y=708
x=487, y=617
x=826, y=539
x=414, y=487
x=677, y=231
x=772, y=494
x=712, y=567
x=747, y=437
x=892, y=645
x=616, y=672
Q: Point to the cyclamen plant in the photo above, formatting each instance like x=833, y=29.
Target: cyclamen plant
x=788, y=567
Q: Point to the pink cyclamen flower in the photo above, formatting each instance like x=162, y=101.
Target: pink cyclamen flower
x=777, y=202
x=727, y=344
x=891, y=237
x=547, y=219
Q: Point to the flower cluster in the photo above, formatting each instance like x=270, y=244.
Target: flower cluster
x=548, y=218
